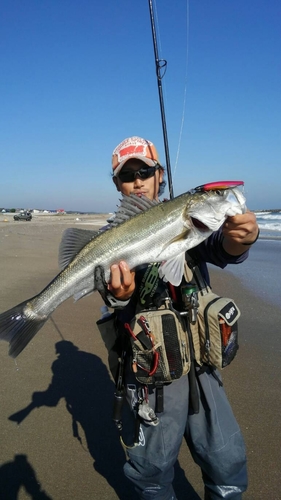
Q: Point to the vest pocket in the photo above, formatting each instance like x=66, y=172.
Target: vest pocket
x=217, y=330
x=160, y=346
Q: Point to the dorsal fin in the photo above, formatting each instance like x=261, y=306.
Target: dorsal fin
x=73, y=240
x=130, y=206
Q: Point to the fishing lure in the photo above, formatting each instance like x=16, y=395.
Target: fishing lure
x=215, y=186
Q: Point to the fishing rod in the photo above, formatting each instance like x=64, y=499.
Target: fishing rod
x=160, y=65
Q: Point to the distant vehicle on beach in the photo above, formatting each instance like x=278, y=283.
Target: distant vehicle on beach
x=23, y=216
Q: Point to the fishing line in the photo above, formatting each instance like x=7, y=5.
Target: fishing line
x=185, y=86
x=161, y=66
x=162, y=61
x=57, y=328
x=160, y=48
x=157, y=26
x=165, y=63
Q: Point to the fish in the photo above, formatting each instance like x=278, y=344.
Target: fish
x=142, y=231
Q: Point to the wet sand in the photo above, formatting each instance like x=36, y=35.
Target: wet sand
x=66, y=445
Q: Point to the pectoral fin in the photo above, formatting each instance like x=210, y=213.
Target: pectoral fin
x=172, y=270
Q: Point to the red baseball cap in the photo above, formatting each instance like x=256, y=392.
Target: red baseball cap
x=134, y=147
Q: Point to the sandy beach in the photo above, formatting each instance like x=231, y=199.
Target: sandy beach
x=66, y=445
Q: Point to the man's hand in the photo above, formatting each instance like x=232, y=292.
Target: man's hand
x=239, y=233
x=122, y=283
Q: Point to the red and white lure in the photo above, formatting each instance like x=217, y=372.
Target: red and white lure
x=215, y=186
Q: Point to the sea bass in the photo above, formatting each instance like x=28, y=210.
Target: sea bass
x=143, y=231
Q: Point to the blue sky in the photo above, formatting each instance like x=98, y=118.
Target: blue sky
x=79, y=77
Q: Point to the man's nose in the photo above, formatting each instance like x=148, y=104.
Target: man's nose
x=138, y=181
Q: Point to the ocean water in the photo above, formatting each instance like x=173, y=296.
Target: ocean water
x=269, y=224
x=261, y=272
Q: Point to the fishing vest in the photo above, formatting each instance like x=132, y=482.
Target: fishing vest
x=173, y=326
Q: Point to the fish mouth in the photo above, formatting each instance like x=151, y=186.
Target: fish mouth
x=199, y=224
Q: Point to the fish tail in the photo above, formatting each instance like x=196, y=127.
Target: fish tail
x=19, y=325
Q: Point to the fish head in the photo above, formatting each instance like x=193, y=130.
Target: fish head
x=206, y=211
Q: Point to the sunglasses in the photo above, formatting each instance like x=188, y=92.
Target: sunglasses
x=142, y=173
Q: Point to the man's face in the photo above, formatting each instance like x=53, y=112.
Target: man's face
x=136, y=185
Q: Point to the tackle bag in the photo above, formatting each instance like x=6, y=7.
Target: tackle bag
x=160, y=347
x=215, y=334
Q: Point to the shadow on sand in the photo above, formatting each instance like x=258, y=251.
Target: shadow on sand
x=19, y=474
x=82, y=379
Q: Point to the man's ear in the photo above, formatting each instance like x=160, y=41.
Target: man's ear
x=161, y=175
x=115, y=180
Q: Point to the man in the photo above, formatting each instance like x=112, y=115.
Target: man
x=211, y=431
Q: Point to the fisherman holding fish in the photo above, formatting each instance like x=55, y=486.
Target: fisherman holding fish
x=172, y=386
x=168, y=332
